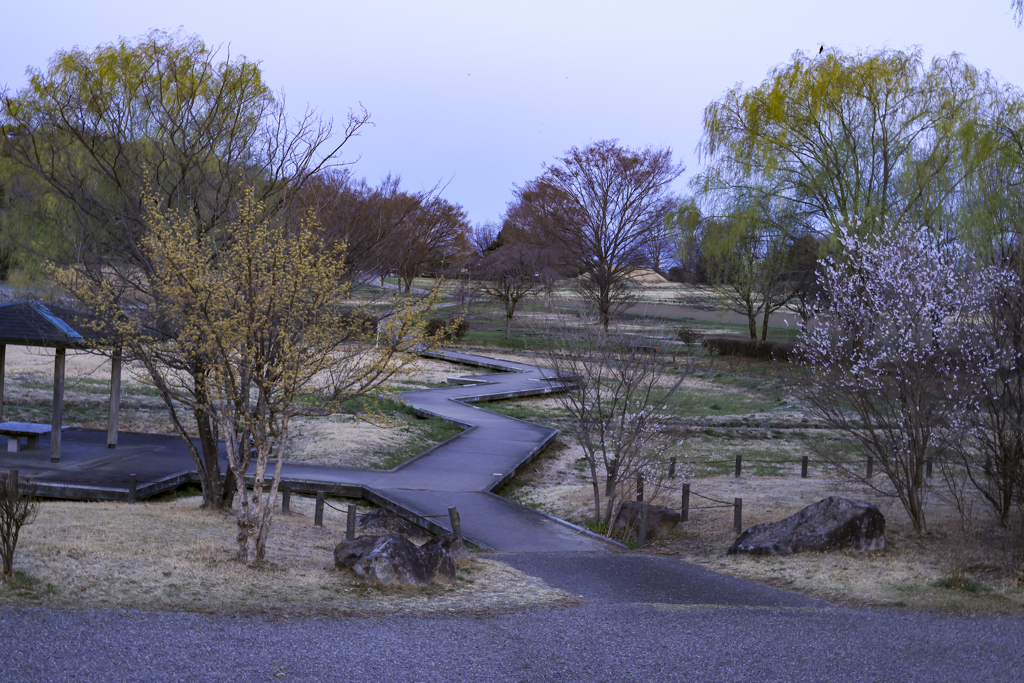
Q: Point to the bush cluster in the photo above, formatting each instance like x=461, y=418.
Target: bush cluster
x=688, y=335
x=751, y=348
x=454, y=328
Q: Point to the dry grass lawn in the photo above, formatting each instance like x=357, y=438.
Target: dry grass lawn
x=772, y=442
x=174, y=556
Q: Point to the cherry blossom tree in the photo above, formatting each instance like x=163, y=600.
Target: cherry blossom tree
x=896, y=358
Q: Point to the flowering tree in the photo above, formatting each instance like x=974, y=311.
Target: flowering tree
x=622, y=391
x=896, y=359
x=261, y=306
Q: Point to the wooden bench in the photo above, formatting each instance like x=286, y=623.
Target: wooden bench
x=15, y=430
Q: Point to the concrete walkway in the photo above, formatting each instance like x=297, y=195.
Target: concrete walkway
x=464, y=471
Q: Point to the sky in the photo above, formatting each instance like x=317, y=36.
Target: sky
x=476, y=96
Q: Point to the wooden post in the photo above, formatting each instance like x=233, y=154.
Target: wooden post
x=114, y=414
x=737, y=517
x=3, y=376
x=739, y=465
x=803, y=467
x=286, y=499
x=350, y=523
x=686, y=503
x=58, y=404
x=12, y=482
x=318, y=517
x=672, y=468
x=928, y=468
x=133, y=488
x=871, y=466
x=642, y=531
x=639, y=488
x=453, y=515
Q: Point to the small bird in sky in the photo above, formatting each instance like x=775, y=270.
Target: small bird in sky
x=822, y=49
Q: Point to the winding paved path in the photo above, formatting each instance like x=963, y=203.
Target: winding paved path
x=465, y=470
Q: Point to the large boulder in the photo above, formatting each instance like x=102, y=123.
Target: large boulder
x=442, y=553
x=383, y=519
x=835, y=523
x=660, y=520
x=394, y=560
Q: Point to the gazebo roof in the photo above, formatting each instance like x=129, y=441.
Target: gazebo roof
x=34, y=324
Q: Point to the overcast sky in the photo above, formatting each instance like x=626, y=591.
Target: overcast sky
x=478, y=95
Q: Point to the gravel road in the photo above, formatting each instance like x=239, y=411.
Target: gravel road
x=598, y=641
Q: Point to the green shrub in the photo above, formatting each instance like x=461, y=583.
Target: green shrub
x=688, y=335
x=458, y=326
x=437, y=327
x=750, y=348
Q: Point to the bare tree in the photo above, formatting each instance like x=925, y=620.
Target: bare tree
x=508, y=274
x=622, y=391
x=434, y=236
x=17, y=508
x=603, y=204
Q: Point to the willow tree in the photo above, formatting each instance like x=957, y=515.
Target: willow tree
x=169, y=113
x=262, y=305
x=875, y=140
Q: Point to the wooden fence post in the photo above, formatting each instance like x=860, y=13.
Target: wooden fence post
x=737, y=516
x=803, y=467
x=286, y=499
x=456, y=521
x=350, y=523
x=686, y=503
x=672, y=468
x=318, y=518
x=928, y=468
x=871, y=466
x=133, y=484
x=739, y=465
x=642, y=531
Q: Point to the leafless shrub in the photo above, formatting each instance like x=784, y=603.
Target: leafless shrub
x=17, y=508
x=623, y=388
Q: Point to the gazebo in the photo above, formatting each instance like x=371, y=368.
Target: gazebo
x=34, y=324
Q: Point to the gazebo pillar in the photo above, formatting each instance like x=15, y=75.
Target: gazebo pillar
x=58, y=403
x=3, y=377
x=115, y=399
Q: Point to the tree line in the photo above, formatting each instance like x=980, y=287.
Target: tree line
x=164, y=136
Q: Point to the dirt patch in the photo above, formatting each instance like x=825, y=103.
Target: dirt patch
x=175, y=556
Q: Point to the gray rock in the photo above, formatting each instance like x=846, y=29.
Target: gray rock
x=442, y=553
x=393, y=559
x=835, y=523
x=387, y=560
x=386, y=520
x=660, y=520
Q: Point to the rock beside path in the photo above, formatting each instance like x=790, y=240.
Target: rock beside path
x=660, y=520
x=383, y=519
x=835, y=523
x=394, y=560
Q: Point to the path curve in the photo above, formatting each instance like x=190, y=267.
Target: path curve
x=464, y=471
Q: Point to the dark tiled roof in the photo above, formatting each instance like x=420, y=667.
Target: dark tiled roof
x=34, y=324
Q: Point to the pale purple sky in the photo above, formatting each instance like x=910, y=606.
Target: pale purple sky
x=479, y=94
